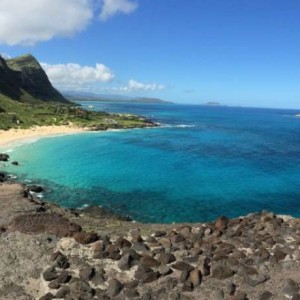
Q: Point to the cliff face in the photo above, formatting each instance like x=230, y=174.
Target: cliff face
x=23, y=79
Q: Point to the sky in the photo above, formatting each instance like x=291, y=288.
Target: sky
x=236, y=52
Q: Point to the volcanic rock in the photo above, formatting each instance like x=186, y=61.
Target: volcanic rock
x=114, y=287
x=83, y=237
x=62, y=292
x=166, y=258
x=50, y=274
x=125, y=262
x=50, y=223
x=149, y=261
x=182, y=266
x=4, y=157
x=222, y=272
x=63, y=277
x=87, y=273
x=80, y=289
x=290, y=288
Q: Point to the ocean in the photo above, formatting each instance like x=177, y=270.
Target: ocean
x=201, y=163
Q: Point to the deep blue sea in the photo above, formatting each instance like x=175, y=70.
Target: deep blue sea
x=204, y=162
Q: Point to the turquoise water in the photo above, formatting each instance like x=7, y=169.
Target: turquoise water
x=206, y=162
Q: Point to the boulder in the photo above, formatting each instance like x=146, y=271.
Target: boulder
x=187, y=286
x=87, y=273
x=140, y=247
x=48, y=296
x=80, y=289
x=290, y=288
x=149, y=261
x=166, y=258
x=231, y=288
x=35, y=188
x=135, y=256
x=145, y=274
x=62, y=292
x=159, y=233
x=185, y=231
x=4, y=157
x=151, y=240
x=114, y=287
x=204, y=266
x=195, y=277
x=255, y=280
x=165, y=242
x=50, y=274
x=50, y=223
x=113, y=251
x=222, y=272
x=177, y=238
x=125, y=262
x=131, y=284
x=3, y=177
x=182, y=266
x=54, y=285
x=63, y=277
x=61, y=261
x=123, y=243
x=84, y=238
x=184, y=276
x=279, y=254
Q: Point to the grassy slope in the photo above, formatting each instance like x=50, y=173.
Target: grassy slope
x=14, y=114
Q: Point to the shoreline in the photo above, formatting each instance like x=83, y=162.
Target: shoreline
x=12, y=136
x=205, y=261
x=17, y=137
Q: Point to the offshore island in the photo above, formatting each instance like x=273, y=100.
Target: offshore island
x=50, y=252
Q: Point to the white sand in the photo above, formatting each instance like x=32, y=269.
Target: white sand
x=15, y=135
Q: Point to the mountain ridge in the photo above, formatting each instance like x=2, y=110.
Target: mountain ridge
x=83, y=96
x=24, y=80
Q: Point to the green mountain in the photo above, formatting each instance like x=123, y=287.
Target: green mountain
x=23, y=79
x=27, y=98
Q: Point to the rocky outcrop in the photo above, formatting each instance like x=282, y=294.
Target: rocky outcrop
x=4, y=157
x=252, y=257
x=3, y=177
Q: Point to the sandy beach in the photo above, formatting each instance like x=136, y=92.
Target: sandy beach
x=16, y=135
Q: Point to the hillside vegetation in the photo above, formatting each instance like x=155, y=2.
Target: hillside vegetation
x=27, y=98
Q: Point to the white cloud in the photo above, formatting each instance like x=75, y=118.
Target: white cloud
x=134, y=85
x=30, y=21
x=69, y=76
x=113, y=7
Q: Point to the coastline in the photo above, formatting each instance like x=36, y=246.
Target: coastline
x=97, y=256
x=12, y=136
x=205, y=260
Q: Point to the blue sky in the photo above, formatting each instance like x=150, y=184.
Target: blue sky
x=236, y=52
